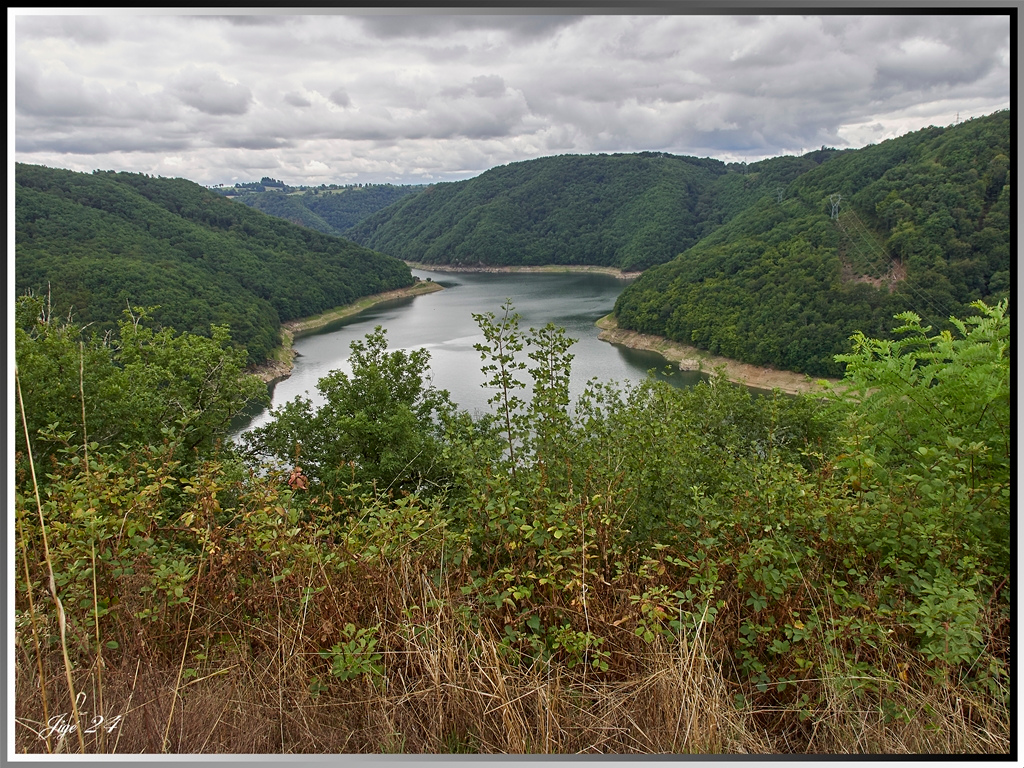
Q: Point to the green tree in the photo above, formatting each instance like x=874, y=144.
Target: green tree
x=947, y=391
x=380, y=426
x=196, y=383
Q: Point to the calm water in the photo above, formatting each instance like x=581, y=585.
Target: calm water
x=442, y=323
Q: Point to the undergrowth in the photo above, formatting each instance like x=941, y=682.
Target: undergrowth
x=664, y=572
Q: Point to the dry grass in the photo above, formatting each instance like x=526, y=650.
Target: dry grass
x=447, y=688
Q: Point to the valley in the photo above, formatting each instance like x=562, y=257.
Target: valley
x=454, y=491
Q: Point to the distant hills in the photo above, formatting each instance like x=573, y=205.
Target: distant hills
x=330, y=209
x=772, y=263
x=627, y=211
x=99, y=242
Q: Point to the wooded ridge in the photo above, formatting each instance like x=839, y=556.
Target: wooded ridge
x=770, y=263
x=625, y=210
x=917, y=223
x=332, y=210
x=99, y=243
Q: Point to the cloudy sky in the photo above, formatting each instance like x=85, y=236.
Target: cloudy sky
x=406, y=97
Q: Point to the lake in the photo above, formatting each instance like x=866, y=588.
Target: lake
x=442, y=323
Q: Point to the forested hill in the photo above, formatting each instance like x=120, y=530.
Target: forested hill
x=919, y=223
x=99, y=242
x=332, y=210
x=628, y=211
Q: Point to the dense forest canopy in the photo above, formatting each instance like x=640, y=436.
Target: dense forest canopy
x=627, y=211
x=103, y=242
x=921, y=222
x=773, y=263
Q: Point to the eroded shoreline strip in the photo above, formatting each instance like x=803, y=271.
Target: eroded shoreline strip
x=550, y=268
x=690, y=358
x=687, y=357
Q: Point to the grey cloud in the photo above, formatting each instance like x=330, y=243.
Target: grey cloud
x=252, y=141
x=440, y=121
x=401, y=25
x=62, y=95
x=487, y=86
x=339, y=97
x=482, y=86
x=297, y=100
x=208, y=92
x=672, y=93
x=453, y=92
x=438, y=92
x=559, y=139
x=938, y=66
x=53, y=97
x=251, y=19
x=83, y=30
x=102, y=143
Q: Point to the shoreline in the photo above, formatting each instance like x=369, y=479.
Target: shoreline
x=280, y=367
x=685, y=356
x=613, y=271
x=690, y=358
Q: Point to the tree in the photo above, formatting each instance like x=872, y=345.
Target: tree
x=379, y=426
x=196, y=383
x=923, y=391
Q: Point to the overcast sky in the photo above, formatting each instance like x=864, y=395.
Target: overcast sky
x=403, y=98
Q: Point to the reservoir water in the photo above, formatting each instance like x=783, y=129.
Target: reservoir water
x=442, y=322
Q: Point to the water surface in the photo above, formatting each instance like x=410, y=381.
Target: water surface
x=442, y=323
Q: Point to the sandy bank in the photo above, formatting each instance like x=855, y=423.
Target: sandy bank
x=280, y=366
x=613, y=271
x=694, y=359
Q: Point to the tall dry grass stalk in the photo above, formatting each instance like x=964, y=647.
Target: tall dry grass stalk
x=61, y=616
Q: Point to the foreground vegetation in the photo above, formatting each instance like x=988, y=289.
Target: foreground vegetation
x=646, y=570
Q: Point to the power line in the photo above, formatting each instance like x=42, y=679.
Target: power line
x=834, y=199
x=851, y=216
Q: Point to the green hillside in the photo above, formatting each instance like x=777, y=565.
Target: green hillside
x=921, y=223
x=99, y=242
x=332, y=211
x=627, y=211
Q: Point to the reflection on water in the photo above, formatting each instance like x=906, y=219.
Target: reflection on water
x=443, y=323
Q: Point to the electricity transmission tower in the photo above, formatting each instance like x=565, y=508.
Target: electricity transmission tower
x=834, y=199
